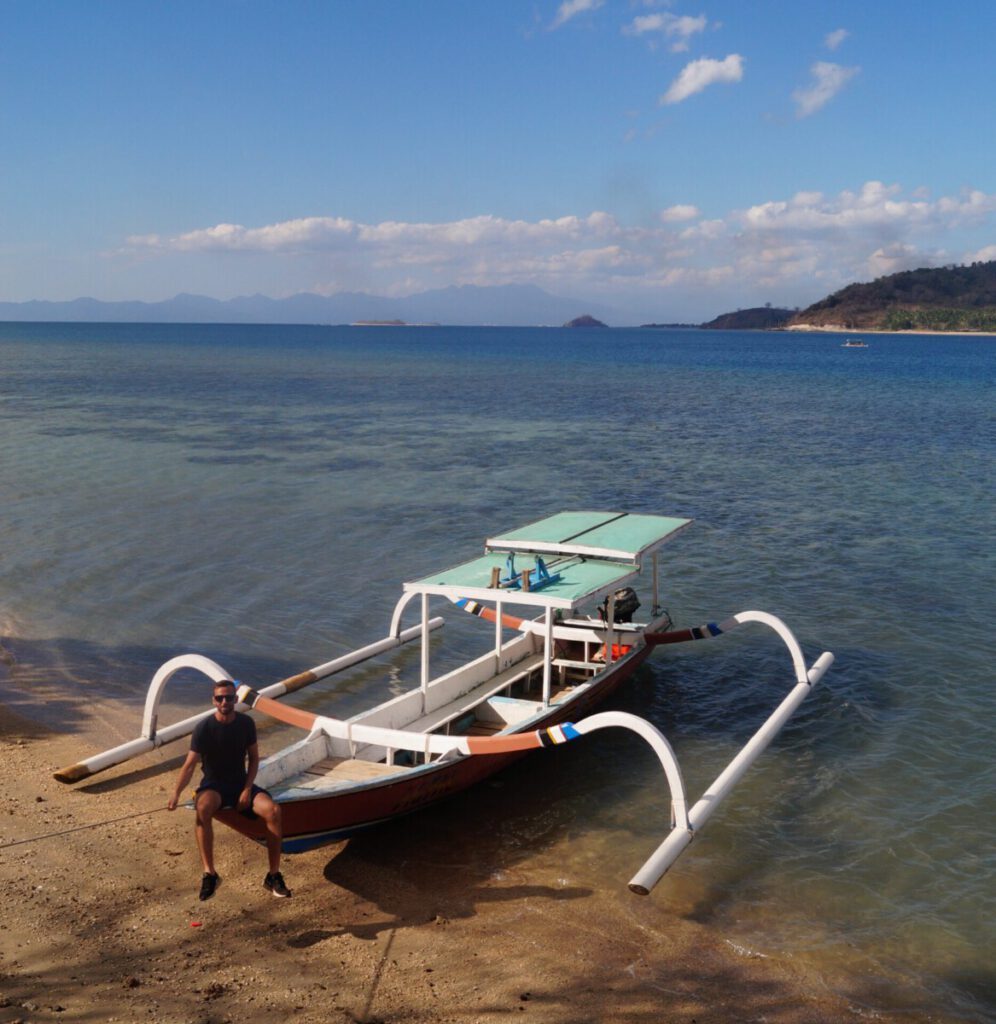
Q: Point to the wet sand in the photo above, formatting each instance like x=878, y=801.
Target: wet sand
x=104, y=924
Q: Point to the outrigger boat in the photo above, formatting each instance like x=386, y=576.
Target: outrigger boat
x=532, y=687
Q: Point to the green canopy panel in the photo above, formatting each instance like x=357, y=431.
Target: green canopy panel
x=621, y=536
x=580, y=579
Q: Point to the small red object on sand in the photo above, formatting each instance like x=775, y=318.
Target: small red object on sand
x=195, y=924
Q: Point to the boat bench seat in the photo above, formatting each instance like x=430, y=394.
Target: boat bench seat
x=460, y=706
x=587, y=666
x=459, y=716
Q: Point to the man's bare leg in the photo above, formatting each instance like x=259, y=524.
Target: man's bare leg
x=206, y=806
x=270, y=813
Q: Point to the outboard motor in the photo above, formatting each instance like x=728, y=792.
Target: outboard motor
x=626, y=604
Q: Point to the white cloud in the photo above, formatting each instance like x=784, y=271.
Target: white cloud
x=828, y=79
x=835, y=38
x=705, y=230
x=680, y=29
x=305, y=233
x=789, y=250
x=679, y=212
x=983, y=255
x=644, y=23
x=876, y=207
x=700, y=74
x=570, y=8
x=890, y=259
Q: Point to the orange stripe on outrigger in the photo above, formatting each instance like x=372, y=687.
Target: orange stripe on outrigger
x=486, y=612
x=551, y=737
x=281, y=712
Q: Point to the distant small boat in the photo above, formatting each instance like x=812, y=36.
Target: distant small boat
x=852, y=343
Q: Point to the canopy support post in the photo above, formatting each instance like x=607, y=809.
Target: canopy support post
x=547, y=655
x=425, y=649
x=610, y=622
x=498, y=635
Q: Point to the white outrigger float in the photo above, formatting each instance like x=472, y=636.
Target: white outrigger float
x=531, y=688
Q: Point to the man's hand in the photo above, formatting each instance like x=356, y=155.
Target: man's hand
x=245, y=799
x=186, y=773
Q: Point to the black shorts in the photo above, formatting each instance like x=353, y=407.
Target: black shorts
x=230, y=796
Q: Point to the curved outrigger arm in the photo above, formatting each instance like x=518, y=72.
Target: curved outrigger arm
x=152, y=737
x=677, y=840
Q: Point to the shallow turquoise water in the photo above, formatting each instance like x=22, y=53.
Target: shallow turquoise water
x=258, y=493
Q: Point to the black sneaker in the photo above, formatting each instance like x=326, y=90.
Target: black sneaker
x=208, y=885
x=274, y=881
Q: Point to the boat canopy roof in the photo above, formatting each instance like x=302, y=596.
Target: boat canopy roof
x=587, y=554
x=622, y=536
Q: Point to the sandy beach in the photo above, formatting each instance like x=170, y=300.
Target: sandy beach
x=918, y=332
x=104, y=924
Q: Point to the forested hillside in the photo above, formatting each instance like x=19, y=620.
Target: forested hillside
x=937, y=299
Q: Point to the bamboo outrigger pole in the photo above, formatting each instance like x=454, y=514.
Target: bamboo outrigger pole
x=153, y=737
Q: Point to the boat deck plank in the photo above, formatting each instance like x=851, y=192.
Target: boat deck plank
x=485, y=728
x=347, y=769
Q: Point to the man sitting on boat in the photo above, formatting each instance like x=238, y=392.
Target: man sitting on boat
x=225, y=743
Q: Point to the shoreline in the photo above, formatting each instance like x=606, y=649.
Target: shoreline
x=839, y=329
x=383, y=927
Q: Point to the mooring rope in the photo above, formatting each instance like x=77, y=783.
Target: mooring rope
x=80, y=828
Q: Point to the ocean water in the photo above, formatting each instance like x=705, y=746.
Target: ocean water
x=258, y=493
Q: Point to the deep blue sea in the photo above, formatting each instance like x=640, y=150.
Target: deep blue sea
x=258, y=493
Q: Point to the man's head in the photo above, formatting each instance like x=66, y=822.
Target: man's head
x=224, y=696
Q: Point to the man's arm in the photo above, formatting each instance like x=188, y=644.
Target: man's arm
x=186, y=773
x=245, y=797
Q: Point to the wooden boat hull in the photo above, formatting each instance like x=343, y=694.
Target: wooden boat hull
x=310, y=822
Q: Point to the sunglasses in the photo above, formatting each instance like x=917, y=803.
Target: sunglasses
x=229, y=697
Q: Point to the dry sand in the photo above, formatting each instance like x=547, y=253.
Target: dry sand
x=104, y=924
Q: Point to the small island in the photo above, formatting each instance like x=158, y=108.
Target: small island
x=585, y=321
x=759, y=318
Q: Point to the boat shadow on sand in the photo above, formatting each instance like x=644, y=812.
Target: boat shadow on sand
x=444, y=862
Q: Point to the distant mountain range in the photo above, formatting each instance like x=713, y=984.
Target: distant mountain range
x=956, y=298
x=504, y=305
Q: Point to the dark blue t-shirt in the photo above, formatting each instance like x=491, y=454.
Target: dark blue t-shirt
x=223, y=747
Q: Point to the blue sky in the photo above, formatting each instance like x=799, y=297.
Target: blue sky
x=672, y=160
